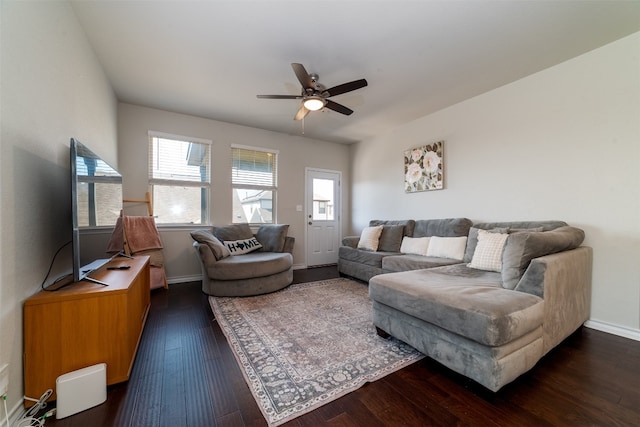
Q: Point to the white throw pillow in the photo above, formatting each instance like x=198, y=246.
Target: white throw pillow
x=415, y=245
x=244, y=246
x=488, y=253
x=370, y=237
x=447, y=247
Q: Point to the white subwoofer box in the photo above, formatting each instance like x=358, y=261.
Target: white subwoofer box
x=81, y=389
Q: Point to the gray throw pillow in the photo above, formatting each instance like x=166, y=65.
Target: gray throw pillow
x=272, y=237
x=408, y=224
x=219, y=250
x=391, y=238
x=522, y=247
x=232, y=232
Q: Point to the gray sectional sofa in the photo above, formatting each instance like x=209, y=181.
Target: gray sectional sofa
x=518, y=291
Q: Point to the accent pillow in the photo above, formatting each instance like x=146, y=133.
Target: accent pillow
x=472, y=240
x=522, y=247
x=272, y=237
x=488, y=253
x=415, y=245
x=244, y=246
x=369, y=238
x=219, y=250
x=391, y=238
x=232, y=232
x=447, y=247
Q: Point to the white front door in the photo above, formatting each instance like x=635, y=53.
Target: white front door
x=323, y=216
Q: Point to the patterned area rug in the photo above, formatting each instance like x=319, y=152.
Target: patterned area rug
x=307, y=345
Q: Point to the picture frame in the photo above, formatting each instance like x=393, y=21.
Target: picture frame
x=424, y=168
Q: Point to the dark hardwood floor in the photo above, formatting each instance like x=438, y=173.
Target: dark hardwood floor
x=185, y=375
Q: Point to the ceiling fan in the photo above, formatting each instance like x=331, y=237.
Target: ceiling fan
x=314, y=95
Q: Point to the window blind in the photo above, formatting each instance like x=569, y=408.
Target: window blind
x=253, y=168
x=179, y=162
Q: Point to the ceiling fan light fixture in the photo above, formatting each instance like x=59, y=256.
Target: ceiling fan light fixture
x=314, y=103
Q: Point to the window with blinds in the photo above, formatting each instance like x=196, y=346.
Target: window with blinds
x=254, y=177
x=180, y=178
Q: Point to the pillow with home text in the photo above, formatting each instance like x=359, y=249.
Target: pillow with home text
x=243, y=246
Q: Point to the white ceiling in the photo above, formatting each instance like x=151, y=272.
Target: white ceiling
x=211, y=58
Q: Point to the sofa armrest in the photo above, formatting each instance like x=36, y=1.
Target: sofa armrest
x=563, y=280
x=205, y=254
x=351, y=241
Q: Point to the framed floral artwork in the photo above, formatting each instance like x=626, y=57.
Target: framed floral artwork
x=423, y=168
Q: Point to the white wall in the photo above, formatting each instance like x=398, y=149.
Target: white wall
x=53, y=88
x=561, y=144
x=295, y=153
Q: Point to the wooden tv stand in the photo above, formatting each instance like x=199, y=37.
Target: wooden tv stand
x=84, y=324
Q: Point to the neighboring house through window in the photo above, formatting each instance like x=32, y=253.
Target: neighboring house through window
x=180, y=177
x=98, y=191
x=254, y=182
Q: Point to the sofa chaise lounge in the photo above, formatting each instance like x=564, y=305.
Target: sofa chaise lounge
x=520, y=289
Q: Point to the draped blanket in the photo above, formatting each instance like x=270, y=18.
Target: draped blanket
x=140, y=231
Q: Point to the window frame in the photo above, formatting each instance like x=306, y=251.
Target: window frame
x=244, y=186
x=205, y=186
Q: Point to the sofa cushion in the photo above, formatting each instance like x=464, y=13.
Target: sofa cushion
x=488, y=253
x=272, y=237
x=391, y=238
x=218, y=249
x=415, y=245
x=447, y=227
x=447, y=247
x=471, y=303
x=370, y=237
x=414, y=262
x=252, y=265
x=522, y=247
x=232, y=232
x=373, y=259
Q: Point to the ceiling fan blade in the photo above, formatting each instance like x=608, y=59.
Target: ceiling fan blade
x=279, y=96
x=302, y=75
x=346, y=87
x=302, y=112
x=338, y=107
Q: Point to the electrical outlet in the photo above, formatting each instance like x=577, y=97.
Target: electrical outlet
x=4, y=380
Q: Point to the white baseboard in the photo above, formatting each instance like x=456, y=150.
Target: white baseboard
x=633, y=334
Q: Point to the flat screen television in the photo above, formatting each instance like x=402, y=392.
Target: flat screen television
x=96, y=204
